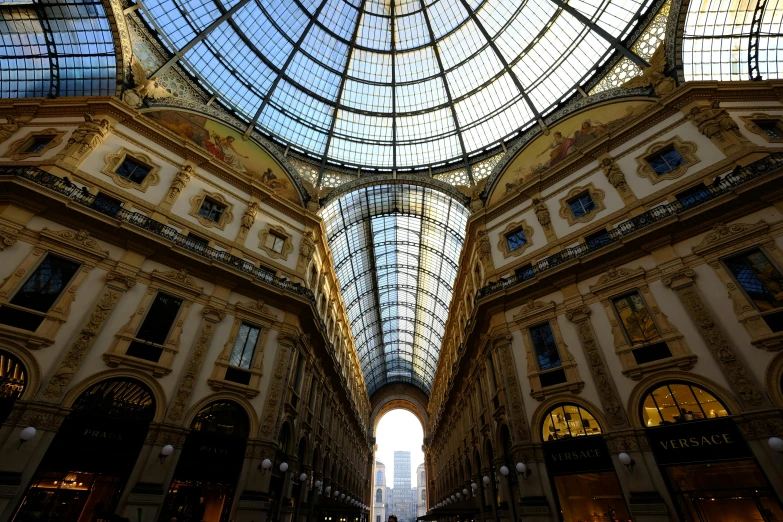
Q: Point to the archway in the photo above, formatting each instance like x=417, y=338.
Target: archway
x=399, y=464
x=84, y=471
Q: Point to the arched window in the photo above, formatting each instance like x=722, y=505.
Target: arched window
x=13, y=380
x=423, y=494
x=568, y=420
x=378, y=496
x=222, y=418
x=421, y=481
x=679, y=402
x=120, y=397
x=379, y=477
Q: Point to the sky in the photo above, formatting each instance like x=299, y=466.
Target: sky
x=399, y=430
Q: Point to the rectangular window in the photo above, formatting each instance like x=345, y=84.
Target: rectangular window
x=37, y=144
x=693, y=196
x=211, y=210
x=772, y=128
x=516, y=239
x=636, y=319
x=39, y=293
x=244, y=346
x=132, y=170
x=106, y=204
x=665, y=160
x=274, y=242
x=581, y=204
x=761, y=280
x=159, y=319
x=545, y=346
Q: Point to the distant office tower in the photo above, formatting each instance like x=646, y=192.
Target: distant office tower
x=404, y=496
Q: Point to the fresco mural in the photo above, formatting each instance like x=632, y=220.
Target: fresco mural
x=227, y=145
x=564, y=139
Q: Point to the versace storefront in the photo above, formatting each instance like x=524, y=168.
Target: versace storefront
x=708, y=466
x=85, y=469
x=579, y=466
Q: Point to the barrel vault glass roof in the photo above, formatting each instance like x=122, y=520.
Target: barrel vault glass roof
x=396, y=249
x=393, y=83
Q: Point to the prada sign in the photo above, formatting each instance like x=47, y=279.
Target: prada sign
x=577, y=455
x=698, y=441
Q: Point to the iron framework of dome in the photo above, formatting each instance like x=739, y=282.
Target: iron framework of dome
x=396, y=250
x=397, y=83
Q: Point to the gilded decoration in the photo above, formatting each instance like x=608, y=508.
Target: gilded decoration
x=9, y=128
x=503, y=245
x=269, y=425
x=115, y=159
x=607, y=391
x=764, y=259
x=752, y=124
x=143, y=87
x=193, y=366
x=279, y=232
x=654, y=75
x=686, y=149
x=181, y=179
x=596, y=195
x=719, y=343
x=713, y=122
x=86, y=137
x=16, y=150
x=226, y=216
x=8, y=237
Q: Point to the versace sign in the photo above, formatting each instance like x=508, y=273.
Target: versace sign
x=698, y=441
x=577, y=455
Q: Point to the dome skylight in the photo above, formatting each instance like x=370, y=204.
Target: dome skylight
x=396, y=83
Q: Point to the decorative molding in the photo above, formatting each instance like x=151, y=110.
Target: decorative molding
x=513, y=395
x=192, y=367
x=179, y=278
x=750, y=124
x=8, y=237
x=79, y=240
x=686, y=149
x=714, y=122
x=607, y=391
x=249, y=216
x=9, y=128
x=115, y=159
x=597, y=195
x=512, y=227
x=617, y=276
x=225, y=218
x=723, y=235
x=720, y=345
x=181, y=179
x=288, y=245
x=86, y=138
x=257, y=309
x=16, y=148
x=275, y=388
x=56, y=387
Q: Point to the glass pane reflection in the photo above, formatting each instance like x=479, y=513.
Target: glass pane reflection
x=569, y=420
x=680, y=402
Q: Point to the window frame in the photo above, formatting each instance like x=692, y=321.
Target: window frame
x=114, y=160
x=513, y=228
x=686, y=150
x=596, y=196
x=580, y=409
x=740, y=286
x=668, y=383
x=226, y=216
x=274, y=230
x=17, y=149
x=751, y=124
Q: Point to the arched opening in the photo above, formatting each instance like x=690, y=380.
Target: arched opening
x=208, y=468
x=709, y=468
x=82, y=475
x=581, y=472
x=13, y=381
x=400, y=461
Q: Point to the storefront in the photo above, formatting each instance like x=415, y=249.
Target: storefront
x=202, y=489
x=82, y=475
x=580, y=468
x=709, y=469
x=13, y=381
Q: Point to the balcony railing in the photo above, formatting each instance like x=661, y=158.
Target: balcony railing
x=739, y=176
x=81, y=196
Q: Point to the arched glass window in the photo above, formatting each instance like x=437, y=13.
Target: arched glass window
x=222, y=418
x=569, y=420
x=422, y=477
x=680, y=402
x=120, y=397
x=379, y=477
x=13, y=379
x=378, y=496
x=423, y=494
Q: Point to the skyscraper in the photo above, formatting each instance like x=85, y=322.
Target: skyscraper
x=402, y=501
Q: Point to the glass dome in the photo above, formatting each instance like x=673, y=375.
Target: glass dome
x=394, y=83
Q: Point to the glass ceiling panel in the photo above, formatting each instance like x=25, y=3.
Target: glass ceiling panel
x=396, y=249
x=364, y=67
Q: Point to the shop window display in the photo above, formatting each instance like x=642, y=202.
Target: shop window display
x=680, y=402
x=568, y=421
